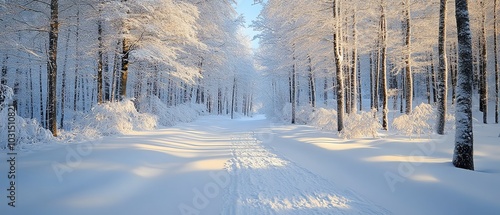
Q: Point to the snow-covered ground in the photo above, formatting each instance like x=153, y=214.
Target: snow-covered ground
x=252, y=166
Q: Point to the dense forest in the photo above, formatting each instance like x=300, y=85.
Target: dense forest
x=348, y=63
x=381, y=55
x=249, y=107
x=64, y=57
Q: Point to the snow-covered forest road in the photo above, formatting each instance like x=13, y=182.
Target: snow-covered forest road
x=249, y=166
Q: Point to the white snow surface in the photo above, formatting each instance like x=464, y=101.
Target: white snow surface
x=216, y=165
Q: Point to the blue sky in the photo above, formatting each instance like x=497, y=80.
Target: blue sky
x=250, y=12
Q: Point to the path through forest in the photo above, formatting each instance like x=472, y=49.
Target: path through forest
x=263, y=182
x=216, y=165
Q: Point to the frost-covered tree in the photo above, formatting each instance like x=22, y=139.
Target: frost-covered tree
x=52, y=66
x=464, y=139
x=147, y=50
x=383, y=63
x=408, y=69
x=483, y=91
x=442, y=76
x=495, y=50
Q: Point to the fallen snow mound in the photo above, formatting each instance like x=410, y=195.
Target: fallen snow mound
x=115, y=118
x=28, y=131
x=169, y=116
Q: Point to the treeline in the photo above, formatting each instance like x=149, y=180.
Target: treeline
x=407, y=49
x=382, y=52
x=63, y=57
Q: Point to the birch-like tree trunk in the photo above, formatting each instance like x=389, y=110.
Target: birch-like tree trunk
x=63, y=84
x=125, y=60
x=495, y=48
x=233, y=98
x=354, y=76
x=409, y=75
x=372, y=93
x=464, y=138
x=99, y=61
x=325, y=92
x=483, y=60
x=338, y=68
x=360, y=93
x=43, y=111
x=454, y=71
x=77, y=63
x=293, y=89
x=52, y=67
x=442, y=74
x=312, y=84
x=383, y=65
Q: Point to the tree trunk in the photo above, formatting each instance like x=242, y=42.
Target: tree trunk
x=483, y=60
x=125, y=61
x=99, y=63
x=464, y=140
x=52, y=67
x=312, y=85
x=409, y=75
x=442, y=75
x=77, y=64
x=325, y=92
x=107, y=85
x=495, y=48
x=376, y=77
x=219, y=102
x=360, y=95
x=383, y=69
x=32, y=103
x=433, y=81
x=114, y=76
x=338, y=69
x=293, y=89
x=3, y=74
x=372, y=104
x=354, y=76
x=63, y=84
x=233, y=98
x=428, y=83
x=42, y=110
x=454, y=71
x=124, y=70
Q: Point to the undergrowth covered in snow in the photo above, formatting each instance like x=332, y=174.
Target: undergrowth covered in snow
x=169, y=116
x=103, y=120
x=356, y=125
x=367, y=124
x=362, y=124
x=28, y=132
x=324, y=119
x=419, y=122
x=115, y=118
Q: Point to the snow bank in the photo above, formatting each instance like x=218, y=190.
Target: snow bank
x=356, y=125
x=418, y=122
x=28, y=131
x=363, y=124
x=115, y=118
x=169, y=116
x=324, y=119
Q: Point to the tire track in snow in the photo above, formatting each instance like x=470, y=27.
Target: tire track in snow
x=264, y=183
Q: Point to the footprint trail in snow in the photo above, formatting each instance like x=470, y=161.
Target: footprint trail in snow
x=264, y=183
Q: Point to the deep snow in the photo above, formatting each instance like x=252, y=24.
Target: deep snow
x=253, y=166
